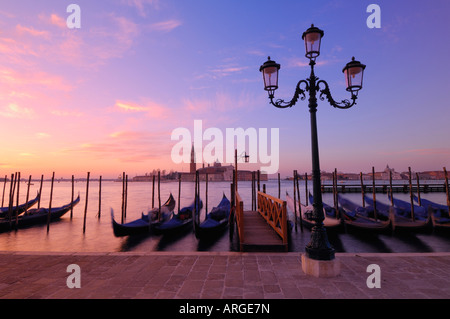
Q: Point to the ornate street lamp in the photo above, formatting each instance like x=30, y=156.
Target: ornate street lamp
x=318, y=248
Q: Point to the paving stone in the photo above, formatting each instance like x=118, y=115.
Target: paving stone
x=220, y=276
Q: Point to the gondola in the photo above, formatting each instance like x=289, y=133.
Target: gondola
x=178, y=222
x=363, y=218
x=37, y=216
x=142, y=225
x=4, y=211
x=216, y=221
x=440, y=217
x=401, y=214
x=330, y=222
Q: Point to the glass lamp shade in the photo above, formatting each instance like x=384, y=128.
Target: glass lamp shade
x=270, y=75
x=312, y=38
x=353, y=72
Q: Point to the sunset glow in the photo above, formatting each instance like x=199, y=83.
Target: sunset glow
x=105, y=98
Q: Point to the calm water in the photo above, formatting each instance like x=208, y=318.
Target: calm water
x=67, y=234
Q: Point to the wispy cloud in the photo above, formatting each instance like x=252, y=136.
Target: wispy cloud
x=151, y=109
x=140, y=5
x=32, y=31
x=165, y=26
x=13, y=110
x=127, y=147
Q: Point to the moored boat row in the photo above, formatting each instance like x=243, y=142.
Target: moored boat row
x=168, y=222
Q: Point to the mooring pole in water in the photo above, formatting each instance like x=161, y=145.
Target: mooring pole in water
x=362, y=189
x=40, y=191
x=418, y=190
x=86, y=204
x=126, y=197
x=295, y=200
x=71, y=203
x=306, y=189
x=373, y=193
x=206, y=196
x=159, y=195
x=10, y=200
x=390, y=187
x=446, y=188
x=232, y=210
x=279, y=186
x=17, y=201
x=299, y=203
x=123, y=195
x=4, y=186
x=28, y=193
x=99, y=197
x=153, y=192
x=411, y=194
x=179, y=191
x=50, y=203
x=18, y=189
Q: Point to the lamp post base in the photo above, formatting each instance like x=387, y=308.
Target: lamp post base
x=320, y=268
x=319, y=248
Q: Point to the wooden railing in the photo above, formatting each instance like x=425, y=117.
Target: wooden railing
x=240, y=217
x=274, y=212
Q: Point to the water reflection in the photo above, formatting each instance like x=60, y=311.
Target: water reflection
x=67, y=235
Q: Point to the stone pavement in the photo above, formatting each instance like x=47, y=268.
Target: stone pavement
x=219, y=275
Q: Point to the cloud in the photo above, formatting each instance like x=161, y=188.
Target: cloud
x=128, y=146
x=140, y=5
x=151, y=109
x=65, y=113
x=16, y=79
x=31, y=31
x=165, y=26
x=13, y=110
x=42, y=135
x=53, y=19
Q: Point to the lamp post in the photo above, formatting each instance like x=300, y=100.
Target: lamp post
x=318, y=248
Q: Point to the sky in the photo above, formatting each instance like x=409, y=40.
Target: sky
x=107, y=97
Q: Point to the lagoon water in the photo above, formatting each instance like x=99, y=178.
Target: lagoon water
x=66, y=235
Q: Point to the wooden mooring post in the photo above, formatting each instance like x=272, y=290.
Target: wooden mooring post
x=86, y=203
x=123, y=197
x=50, y=203
x=40, y=192
x=99, y=197
x=4, y=186
x=446, y=188
x=71, y=203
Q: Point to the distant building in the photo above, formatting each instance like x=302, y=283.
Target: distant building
x=216, y=173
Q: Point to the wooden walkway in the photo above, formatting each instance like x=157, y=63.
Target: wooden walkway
x=262, y=230
x=259, y=236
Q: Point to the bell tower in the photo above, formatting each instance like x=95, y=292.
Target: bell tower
x=193, y=166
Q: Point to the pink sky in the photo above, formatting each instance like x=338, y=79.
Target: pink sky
x=105, y=98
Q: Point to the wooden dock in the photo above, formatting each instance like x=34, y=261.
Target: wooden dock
x=259, y=236
x=265, y=229
x=403, y=188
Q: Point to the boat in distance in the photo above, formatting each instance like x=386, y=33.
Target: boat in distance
x=142, y=225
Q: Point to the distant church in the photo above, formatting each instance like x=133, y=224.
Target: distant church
x=216, y=172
